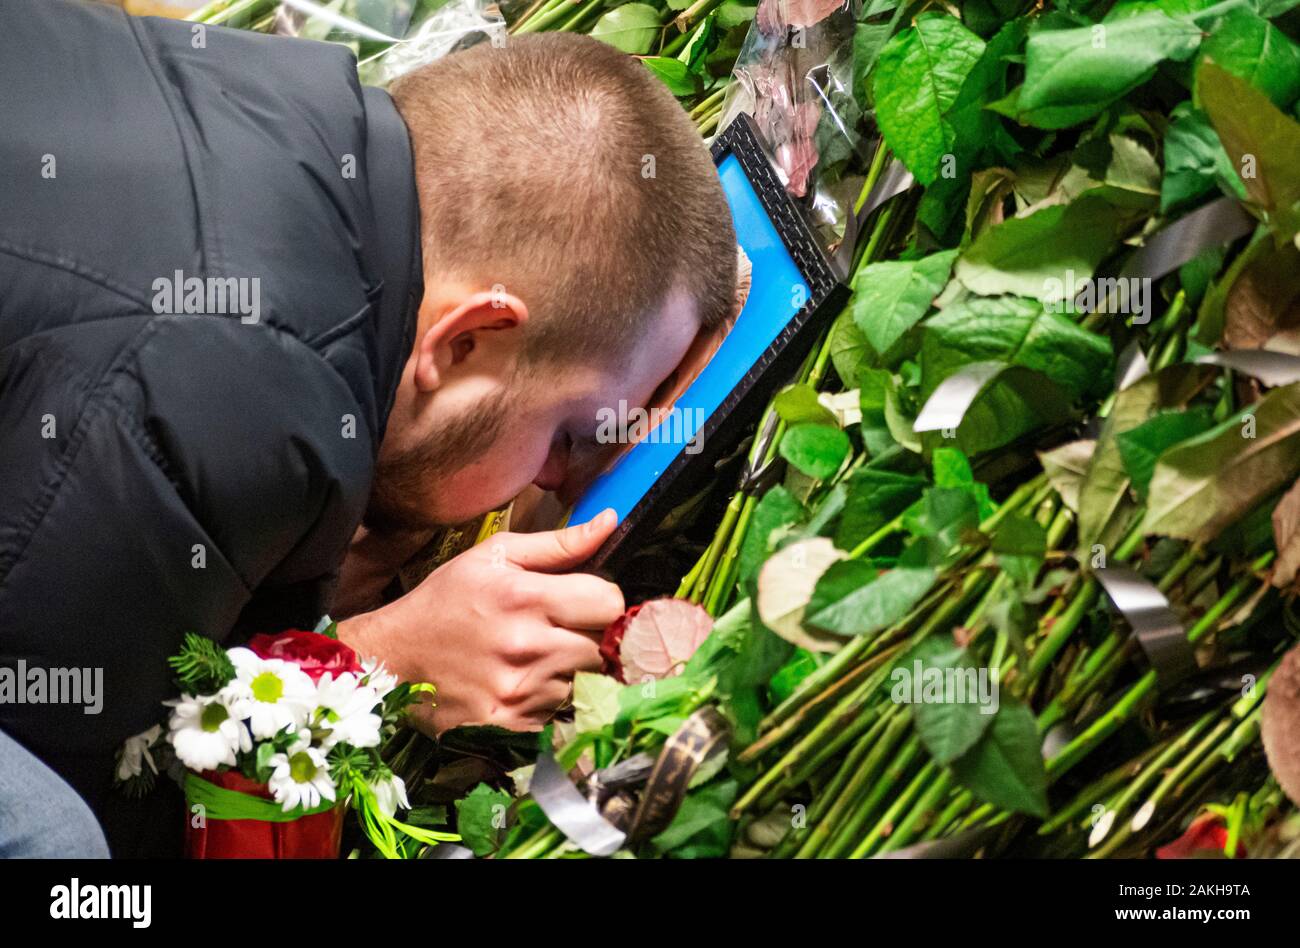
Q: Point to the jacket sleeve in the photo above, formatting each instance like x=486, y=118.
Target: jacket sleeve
x=209, y=461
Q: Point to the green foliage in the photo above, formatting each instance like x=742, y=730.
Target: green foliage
x=947, y=728
x=918, y=77
x=202, y=666
x=891, y=297
x=480, y=818
x=816, y=450
x=1005, y=767
x=1072, y=74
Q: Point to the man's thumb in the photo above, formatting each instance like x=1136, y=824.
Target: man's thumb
x=562, y=549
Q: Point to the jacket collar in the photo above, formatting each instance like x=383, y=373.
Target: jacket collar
x=390, y=174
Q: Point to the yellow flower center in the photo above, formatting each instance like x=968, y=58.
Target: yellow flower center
x=301, y=767
x=212, y=716
x=267, y=687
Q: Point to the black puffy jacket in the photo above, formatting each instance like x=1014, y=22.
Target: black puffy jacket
x=164, y=472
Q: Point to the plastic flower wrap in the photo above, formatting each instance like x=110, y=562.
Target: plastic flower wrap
x=794, y=75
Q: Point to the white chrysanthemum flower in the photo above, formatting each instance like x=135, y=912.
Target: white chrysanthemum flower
x=269, y=693
x=390, y=793
x=136, y=753
x=348, y=711
x=300, y=777
x=378, y=677
x=205, y=733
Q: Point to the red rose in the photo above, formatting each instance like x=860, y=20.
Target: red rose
x=314, y=653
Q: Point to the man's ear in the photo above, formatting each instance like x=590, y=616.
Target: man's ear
x=452, y=332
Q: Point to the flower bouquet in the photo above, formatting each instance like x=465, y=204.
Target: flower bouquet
x=277, y=739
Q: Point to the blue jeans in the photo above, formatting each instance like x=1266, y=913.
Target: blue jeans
x=41, y=817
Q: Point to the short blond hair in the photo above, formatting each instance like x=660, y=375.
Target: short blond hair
x=563, y=170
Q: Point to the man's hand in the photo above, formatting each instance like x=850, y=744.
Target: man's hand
x=500, y=630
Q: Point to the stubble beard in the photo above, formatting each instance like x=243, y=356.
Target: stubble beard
x=406, y=479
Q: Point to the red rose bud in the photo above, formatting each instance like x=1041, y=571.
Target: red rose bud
x=315, y=654
x=1207, y=836
x=610, y=643
x=654, y=640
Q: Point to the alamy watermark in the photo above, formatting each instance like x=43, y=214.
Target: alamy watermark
x=36, y=685
x=1130, y=296
x=922, y=684
x=674, y=425
x=212, y=296
x=87, y=900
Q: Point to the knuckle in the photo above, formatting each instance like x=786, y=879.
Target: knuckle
x=510, y=690
x=517, y=591
x=516, y=645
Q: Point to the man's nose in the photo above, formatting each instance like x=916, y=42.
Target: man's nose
x=551, y=476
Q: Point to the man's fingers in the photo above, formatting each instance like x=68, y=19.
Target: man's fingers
x=558, y=550
x=581, y=601
x=572, y=652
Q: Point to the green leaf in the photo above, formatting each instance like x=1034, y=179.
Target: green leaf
x=1174, y=8
x=1248, y=46
x=873, y=402
x=891, y=297
x=827, y=509
x=595, y=701
x=978, y=130
x=798, y=405
x=703, y=42
x=631, y=28
x=786, y=584
x=701, y=828
x=851, y=354
x=778, y=508
x=674, y=73
x=1016, y=332
x=1065, y=468
x=1273, y=8
x=262, y=761
x=1005, y=768
x=1261, y=142
x=1104, y=500
x=1141, y=446
x=1031, y=256
x=641, y=705
x=875, y=497
x=759, y=651
x=868, y=40
x=1212, y=314
x=1207, y=482
x=945, y=514
x=917, y=78
x=1019, y=535
x=877, y=605
x=1194, y=160
x=816, y=450
x=840, y=580
x=1071, y=75
x=801, y=664
x=734, y=13
x=479, y=818
x=1020, y=543
x=952, y=469
x=947, y=728
x=1012, y=402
